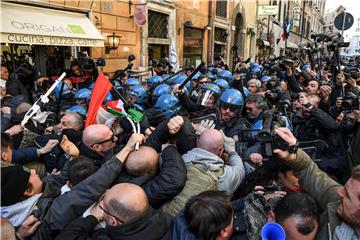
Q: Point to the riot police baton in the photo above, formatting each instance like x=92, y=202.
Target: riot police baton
x=114, y=90
x=129, y=66
x=192, y=75
x=171, y=76
x=164, y=81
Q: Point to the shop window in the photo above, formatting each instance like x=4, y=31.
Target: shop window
x=158, y=51
x=157, y=25
x=221, y=8
x=193, y=46
x=220, y=35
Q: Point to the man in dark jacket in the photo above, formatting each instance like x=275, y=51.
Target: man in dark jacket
x=126, y=211
x=56, y=211
x=339, y=205
x=315, y=124
x=163, y=180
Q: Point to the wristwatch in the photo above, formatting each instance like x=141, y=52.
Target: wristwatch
x=308, y=106
x=293, y=148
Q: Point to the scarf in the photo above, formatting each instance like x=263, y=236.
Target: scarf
x=344, y=232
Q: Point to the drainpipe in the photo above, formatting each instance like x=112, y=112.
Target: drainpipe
x=210, y=40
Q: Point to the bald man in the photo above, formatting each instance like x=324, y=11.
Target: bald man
x=163, y=180
x=142, y=162
x=204, y=161
x=98, y=142
x=127, y=214
x=211, y=146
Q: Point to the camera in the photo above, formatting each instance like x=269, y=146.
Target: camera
x=287, y=62
x=327, y=83
x=273, y=96
x=100, y=62
x=272, y=84
x=267, y=138
x=273, y=186
x=87, y=64
x=131, y=58
x=350, y=102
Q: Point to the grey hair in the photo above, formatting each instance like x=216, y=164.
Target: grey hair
x=259, y=101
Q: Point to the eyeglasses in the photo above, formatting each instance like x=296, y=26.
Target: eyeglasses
x=112, y=139
x=203, y=82
x=111, y=215
x=230, y=107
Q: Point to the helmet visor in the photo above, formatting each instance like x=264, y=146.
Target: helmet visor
x=207, y=98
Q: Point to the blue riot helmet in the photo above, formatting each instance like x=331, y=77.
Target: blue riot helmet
x=265, y=78
x=78, y=109
x=305, y=68
x=153, y=80
x=225, y=74
x=254, y=65
x=232, y=98
x=107, y=98
x=218, y=70
x=132, y=82
x=160, y=90
x=210, y=75
x=117, y=84
x=66, y=90
x=256, y=71
x=165, y=76
x=196, y=76
x=180, y=79
x=209, y=95
x=91, y=86
x=212, y=69
x=169, y=105
x=246, y=92
x=83, y=94
x=223, y=84
x=137, y=94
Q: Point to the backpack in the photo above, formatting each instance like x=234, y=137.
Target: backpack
x=198, y=180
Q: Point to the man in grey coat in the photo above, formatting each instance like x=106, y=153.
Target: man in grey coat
x=211, y=146
x=206, y=170
x=340, y=205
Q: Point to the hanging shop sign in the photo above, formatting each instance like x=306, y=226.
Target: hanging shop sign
x=22, y=24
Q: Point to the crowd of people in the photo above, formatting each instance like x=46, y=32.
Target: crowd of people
x=219, y=154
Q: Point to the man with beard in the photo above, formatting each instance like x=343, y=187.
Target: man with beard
x=227, y=115
x=255, y=105
x=340, y=205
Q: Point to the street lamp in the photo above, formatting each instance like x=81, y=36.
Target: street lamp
x=114, y=41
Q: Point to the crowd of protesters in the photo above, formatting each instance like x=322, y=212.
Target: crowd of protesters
x=217, y=157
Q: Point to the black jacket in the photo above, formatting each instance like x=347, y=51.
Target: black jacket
x=15, y=87
x=320, y=125
x=150, y=225
x=55, y=211
x=171, y=176
x=87, y=152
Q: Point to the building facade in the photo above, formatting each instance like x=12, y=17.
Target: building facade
x=198, y=30
x=307, y=17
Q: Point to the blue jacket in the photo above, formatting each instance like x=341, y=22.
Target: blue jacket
x=24, y=155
